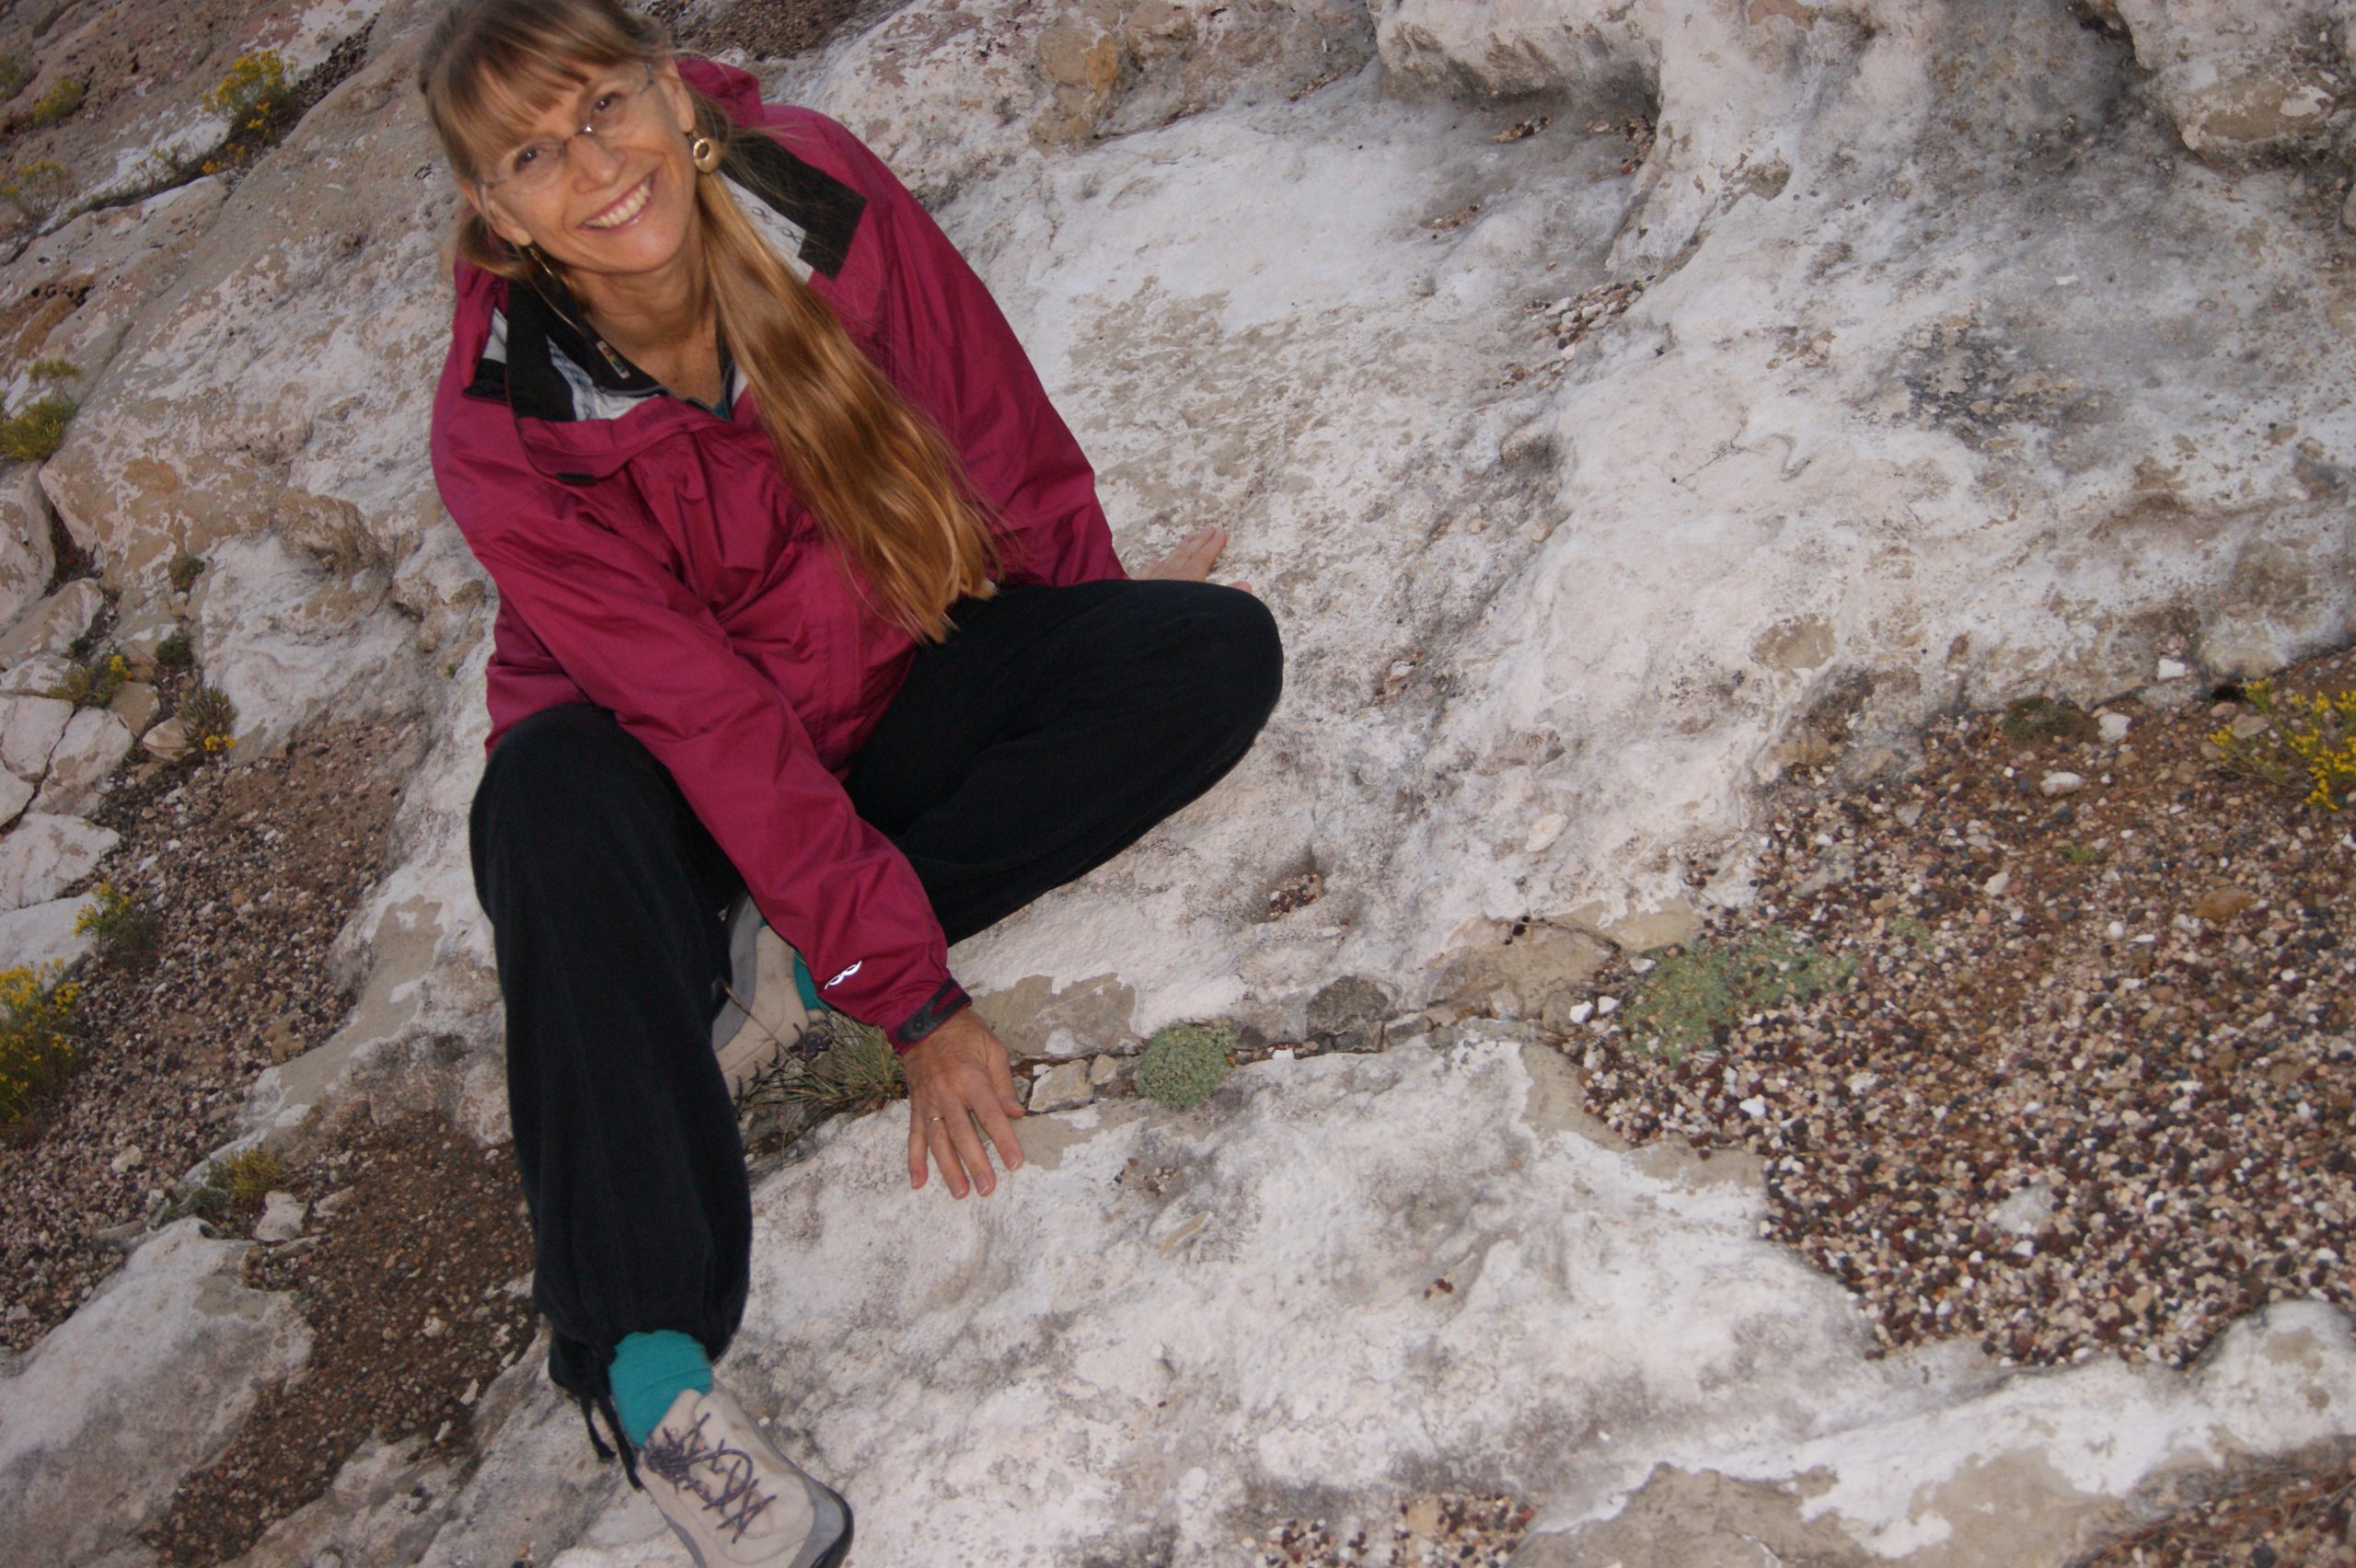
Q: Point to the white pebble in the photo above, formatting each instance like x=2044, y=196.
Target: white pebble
x=1997, y=885
x=1582, y=1011
x=2114, y=930
x=2171, y=670
x=1606, y=1006
x=2060, y=783
x=1544, y=831
x=1754, y=1107
x=1641, y=965
x=2114, y=727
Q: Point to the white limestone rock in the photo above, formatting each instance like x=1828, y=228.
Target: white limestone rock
x=2244, y=83
x=143, y=621
x=1064, y=1087
x=51, y=625
x=14, y=796
x=282, y=1218
x=1189, y=1332
x=26, y=556
x=44, y=855
x=147, y=1381
x=36, y=676
x=30, y=728
x=93, y=745
x=137, y=704
x=41, y=934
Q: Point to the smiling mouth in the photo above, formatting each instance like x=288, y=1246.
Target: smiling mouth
x=626, y=208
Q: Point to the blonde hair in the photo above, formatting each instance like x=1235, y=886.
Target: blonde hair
x=888, y=489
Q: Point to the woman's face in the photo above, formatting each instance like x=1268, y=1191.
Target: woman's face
x=621, y=202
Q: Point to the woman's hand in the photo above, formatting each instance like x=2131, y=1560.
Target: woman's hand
x=1192, y=560
x=957, y=1076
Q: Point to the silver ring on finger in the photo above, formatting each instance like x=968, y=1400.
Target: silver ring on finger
x=935, y=1118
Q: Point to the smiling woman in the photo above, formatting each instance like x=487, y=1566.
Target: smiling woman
x=811, y=632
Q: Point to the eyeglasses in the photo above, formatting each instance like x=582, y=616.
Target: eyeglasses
x=616, y=111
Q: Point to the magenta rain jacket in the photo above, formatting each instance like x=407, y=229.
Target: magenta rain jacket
x=651, y=559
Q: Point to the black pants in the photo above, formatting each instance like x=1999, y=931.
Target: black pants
x=1050, y=731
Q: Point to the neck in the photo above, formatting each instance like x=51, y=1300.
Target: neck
x=648, y=315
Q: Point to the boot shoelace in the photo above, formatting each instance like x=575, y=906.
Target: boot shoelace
x=677, y=1457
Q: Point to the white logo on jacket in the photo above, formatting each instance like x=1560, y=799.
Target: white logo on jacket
x=843, y=976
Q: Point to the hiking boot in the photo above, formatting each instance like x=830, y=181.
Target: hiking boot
x=763, y=1015
x=732, y=1498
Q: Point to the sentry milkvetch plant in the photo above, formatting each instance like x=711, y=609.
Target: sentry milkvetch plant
x=1689, y=997
x=1184, y=1062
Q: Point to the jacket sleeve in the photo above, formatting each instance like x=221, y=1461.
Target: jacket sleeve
x=523, y=676
x=952, y=352
x=634, y=640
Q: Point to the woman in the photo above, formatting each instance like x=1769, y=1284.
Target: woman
x=805, y=596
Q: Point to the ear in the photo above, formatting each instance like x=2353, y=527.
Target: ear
x=502, y=224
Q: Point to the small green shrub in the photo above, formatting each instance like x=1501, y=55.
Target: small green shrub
x=860, y=1071
x=92, y=683
x=2081, y=854
x=53, y=370
x=36, y=1036
x=2308, y=744
x=174, y=652
x=1690, y=996
x=36, y=430
x=124, y=926
x=210, y=719
x=1184, y=1062
x=13, y=75
x=255, y=96
x=245, y=1178
x=62, y=98
x=2033, y=720
x=35, y=188
x=186, y=568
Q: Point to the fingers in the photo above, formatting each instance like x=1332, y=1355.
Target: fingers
x=916, y=1145
x=966, y=1143
x=944, y=1154
x=998, y=1125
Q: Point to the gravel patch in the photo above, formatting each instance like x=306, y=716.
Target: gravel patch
x=1452, y=1530
x=2299, y=1513
x=250, y=871
x=2087, y=1085
x=414, y=1274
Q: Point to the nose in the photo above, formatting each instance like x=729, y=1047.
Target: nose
x=592, y=160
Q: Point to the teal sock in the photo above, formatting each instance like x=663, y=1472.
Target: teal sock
x=648, y=1373
x=806, y=986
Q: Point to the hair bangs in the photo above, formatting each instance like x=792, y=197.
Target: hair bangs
x=493, y=72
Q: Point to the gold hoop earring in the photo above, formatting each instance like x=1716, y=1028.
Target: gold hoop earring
x=703, y=152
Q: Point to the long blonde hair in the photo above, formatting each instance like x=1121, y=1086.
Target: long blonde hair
x=888, y=489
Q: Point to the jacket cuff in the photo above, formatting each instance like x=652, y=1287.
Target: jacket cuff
x=945, y=1003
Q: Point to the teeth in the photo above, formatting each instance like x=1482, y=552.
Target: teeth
x=627, y=210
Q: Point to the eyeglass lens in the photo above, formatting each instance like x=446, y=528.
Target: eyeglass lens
x=614, y=111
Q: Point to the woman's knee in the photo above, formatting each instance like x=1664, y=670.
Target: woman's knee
x=559, y=771
x=1242, y=647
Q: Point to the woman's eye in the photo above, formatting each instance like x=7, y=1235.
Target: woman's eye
x=605, y=103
